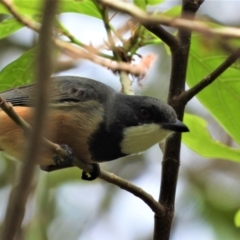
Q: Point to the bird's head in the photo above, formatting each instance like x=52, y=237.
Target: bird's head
x=145, y=121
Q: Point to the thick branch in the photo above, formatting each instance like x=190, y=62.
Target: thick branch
x=19, y=195
x=171, y=158
x=189, y=94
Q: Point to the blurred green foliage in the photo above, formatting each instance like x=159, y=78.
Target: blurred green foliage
x=221, y=99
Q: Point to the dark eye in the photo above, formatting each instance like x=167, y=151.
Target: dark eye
x=144, y=113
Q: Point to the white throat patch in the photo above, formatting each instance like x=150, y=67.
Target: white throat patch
x=138, y=139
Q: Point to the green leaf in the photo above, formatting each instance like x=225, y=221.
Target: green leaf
x=86, y=7
x=222, y=97
x=140, y=3
x=154, y=2
x=28, y=7
x=201, y=142
x=34, y=7
x=173, y=12
x=9, y=26
x=237, y=219
x=18, y=72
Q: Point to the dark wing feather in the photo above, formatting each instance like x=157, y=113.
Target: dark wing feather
x=65, y=89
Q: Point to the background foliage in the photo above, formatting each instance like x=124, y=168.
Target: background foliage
x=208, y=197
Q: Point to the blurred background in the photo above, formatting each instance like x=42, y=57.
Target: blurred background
x=62, y=206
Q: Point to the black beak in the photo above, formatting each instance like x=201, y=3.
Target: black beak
x=178, y=126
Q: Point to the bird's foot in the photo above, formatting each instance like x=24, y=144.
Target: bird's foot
x=93, y=174
x=66, y=161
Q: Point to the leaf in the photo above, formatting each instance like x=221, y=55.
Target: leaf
x=173, y=12
x=9, y=26
x=140, y=3
x=154, y=2
x=201, y=142
x=34, y=7
x=28, y=7
x=18, y=72
x=86, y=7
x=222, y=97
x=237, y=219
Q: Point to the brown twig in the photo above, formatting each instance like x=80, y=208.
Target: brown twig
x=8, y=109
x=19, y=195
x=189, y=94
x=134, y=69
x=139, y=192
x=147, y=19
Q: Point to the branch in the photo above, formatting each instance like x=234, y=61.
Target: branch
x=163, y=34
x=147, y=19
x=189, y=94
x=171, y=158
x=135, y=69
x=138, y=192
x=124, y=79
x=61, y=29
x=19, y=195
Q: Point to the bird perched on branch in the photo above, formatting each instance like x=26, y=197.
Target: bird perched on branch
x=93, y=120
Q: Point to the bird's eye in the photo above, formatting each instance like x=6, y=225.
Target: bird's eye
x=144, y=113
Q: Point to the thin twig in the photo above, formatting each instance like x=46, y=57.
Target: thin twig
x=88, y=53
x=147, y=19
x=18, y=198
x=189, y=94
x=124, y=78
x=135, y=69
x=138, y=192
x=73, y=39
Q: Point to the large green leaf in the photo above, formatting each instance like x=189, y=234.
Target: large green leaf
x=34, y=7
x=201, y=142
x=18, y=72
x=9, y=26
x=222, y=97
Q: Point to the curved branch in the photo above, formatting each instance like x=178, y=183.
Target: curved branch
x=163, y=34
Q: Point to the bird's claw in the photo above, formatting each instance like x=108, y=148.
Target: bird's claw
x=68, y=160
x=93, y=175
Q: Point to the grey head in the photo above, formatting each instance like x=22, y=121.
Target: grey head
x=145, y=122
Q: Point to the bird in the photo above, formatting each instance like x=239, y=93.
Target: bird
x=97, y=123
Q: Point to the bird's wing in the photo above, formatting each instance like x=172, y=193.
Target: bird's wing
x=65, y=89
